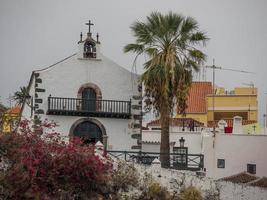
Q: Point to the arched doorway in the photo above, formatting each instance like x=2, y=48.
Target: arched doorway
x=89, y=130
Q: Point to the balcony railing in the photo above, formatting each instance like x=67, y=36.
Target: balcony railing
x=89, y=107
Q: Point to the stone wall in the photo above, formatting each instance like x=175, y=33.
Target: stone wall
x=211, y=189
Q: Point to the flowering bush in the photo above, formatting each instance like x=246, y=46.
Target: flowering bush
x=46, y=167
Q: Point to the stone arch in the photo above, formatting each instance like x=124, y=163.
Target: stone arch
x=94, y=121
x=92, y=86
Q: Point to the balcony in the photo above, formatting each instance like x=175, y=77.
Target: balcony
x=89, y=107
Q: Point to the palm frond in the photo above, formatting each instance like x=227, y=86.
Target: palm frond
x=199, y=37
x=135, y=48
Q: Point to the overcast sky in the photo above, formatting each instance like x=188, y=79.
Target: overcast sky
x=35, y=34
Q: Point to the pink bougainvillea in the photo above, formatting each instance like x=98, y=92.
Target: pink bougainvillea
x=46, y=167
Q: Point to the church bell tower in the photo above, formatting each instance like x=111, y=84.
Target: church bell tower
x=88, y=47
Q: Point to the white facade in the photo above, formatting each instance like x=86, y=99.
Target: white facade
x=65, y=79
x=237, y=150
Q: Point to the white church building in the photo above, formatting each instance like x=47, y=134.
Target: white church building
x=89, y=96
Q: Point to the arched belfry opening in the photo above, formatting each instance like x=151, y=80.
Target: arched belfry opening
x=89, y=50
x=89, y=130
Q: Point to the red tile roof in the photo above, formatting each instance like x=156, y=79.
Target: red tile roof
x=230, y=122
x=196, y=101
x=243, y=177
x=262, y=182
x=177, y=122
x=14, y=110
x=247, y=179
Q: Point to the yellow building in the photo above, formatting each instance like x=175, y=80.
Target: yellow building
x=10, y=119
x=242, y=101
x=239, y=102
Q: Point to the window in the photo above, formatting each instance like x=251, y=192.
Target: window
x=88, y=99
x=251, y=168
x=220, y=163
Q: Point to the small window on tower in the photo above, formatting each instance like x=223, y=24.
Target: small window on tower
x=251, y=168
x=89, y=50
x=220, y=163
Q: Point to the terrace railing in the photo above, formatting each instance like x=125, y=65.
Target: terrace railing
x=192, y=162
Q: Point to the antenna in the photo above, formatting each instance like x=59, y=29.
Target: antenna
x=9, y=100
x=250, y=84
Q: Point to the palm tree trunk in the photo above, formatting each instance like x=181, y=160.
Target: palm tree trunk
x=165, y=139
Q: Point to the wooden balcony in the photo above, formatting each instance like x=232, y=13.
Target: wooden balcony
x=89, y=107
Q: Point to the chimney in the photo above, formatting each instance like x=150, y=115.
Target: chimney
x=237, y=125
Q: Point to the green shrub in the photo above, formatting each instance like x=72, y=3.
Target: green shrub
x=152, y=190
x=190, y=193
x=123, y=177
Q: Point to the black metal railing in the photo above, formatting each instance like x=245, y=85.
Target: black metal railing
x=89, y=107
x=193, y=162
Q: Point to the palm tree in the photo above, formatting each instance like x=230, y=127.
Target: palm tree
x=169, y=43
x=20, y=95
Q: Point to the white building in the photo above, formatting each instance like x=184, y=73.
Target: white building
x=224, y=154
x=88, y=95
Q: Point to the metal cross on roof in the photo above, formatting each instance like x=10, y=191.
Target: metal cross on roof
x=89, y=26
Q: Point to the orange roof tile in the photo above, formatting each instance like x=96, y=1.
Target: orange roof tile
x=262, y=182
x=177, y=122
x=196, y=101
x=243, y=177
x=14, y=110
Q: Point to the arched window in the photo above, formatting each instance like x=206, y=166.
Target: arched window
x=89, y=50
x=89, y=99
x=89, y=132
x=91, y=96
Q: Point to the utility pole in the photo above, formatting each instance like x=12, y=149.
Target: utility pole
x=265, y=125
x=213, y=96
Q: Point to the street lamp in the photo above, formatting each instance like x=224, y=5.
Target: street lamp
x=182, y=140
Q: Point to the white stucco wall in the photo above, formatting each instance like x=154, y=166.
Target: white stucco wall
x=64, y=80
x=238, y=150
x=192, y=140
x=175, y=180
